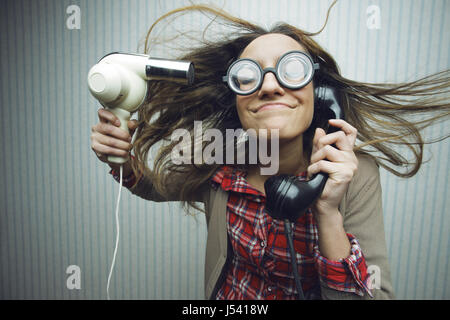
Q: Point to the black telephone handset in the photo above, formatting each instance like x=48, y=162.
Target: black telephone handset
x=286, y=196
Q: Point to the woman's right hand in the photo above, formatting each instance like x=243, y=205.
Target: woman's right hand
x=107, y=139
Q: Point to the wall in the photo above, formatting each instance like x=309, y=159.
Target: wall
x=57, y=201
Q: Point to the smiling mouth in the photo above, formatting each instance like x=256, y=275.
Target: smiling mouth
x=272, y=106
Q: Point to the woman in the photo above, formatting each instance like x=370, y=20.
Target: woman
x=342, y=234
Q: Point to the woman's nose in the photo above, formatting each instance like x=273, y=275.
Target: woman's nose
x=270, y=86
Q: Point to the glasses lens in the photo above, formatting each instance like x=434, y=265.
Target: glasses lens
x=295, y=70
x=244, y=76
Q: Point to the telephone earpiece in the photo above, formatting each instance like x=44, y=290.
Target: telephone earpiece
x=286, y=196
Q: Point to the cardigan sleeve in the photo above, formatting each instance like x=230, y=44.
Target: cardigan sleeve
x=363, y=217
x=143, y=187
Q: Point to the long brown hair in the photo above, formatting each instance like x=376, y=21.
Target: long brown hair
x=383, y=114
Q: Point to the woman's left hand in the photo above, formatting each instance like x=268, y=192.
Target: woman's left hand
x=339, y=162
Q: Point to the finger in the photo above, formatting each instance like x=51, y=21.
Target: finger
x=113, y=131
x=106, y=116
x=329, y=153
x=339, y=139
x=100, y=156
x=342, y=172
x=350, y=131
x=104, y=150
x=111, y=142
x=324, y=166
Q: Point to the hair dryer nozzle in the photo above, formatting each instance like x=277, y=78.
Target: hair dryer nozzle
x=171, y=70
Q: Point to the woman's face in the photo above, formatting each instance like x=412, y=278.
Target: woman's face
x=273, y=106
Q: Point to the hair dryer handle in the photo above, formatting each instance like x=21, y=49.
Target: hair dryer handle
x=124, y=116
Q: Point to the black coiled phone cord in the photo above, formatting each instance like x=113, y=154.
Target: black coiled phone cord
x=289, y=236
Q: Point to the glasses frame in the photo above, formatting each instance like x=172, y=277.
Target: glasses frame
x=263, y=72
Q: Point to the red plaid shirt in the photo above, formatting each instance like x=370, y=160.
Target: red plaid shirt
x=260, y=265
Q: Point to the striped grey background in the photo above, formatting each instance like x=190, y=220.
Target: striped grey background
x=57, y=200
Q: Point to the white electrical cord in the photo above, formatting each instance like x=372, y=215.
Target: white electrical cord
x=117, y=234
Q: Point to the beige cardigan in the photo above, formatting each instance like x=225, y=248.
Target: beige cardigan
x=363, y=217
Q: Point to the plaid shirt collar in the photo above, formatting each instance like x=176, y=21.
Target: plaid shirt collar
x=233, y=179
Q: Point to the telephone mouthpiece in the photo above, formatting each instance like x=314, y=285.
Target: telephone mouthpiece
x=289, y=198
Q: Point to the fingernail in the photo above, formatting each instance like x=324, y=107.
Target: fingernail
x=117, y=123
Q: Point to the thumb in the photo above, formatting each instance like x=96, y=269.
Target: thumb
x=132, y=125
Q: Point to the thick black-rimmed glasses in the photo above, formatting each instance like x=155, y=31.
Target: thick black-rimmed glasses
x=294, y=70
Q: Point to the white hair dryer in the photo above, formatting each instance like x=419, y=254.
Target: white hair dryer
x=118, y=82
